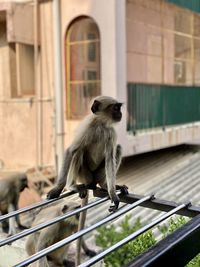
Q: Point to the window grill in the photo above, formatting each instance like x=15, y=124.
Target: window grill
x=182, y=241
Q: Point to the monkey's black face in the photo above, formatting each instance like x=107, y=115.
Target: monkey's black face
x=116, y=112
x=112, y=111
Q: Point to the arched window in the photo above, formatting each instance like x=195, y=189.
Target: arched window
x=83, y=66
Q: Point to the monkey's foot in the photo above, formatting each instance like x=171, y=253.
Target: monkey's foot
x=5, y=227
x=54, y=193
x=67, y=263
x=90, y=253
x=123, y=189
x=10, y=233
x=82, y=190
x=22, y=227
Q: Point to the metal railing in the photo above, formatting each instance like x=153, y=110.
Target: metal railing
x=131, y=237
x=35, y=206
x=50, y=222
x=131, y=201
x=153, y=106
x=176, y=249
x=75, y=236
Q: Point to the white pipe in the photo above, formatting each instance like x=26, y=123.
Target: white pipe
x=59, y=129
x=37, y=89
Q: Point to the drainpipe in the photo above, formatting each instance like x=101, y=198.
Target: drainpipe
x=58, y=85
x=39, y=151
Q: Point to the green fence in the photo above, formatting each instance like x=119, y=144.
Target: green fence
x=152, y=106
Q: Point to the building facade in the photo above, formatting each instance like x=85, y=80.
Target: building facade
x=145, y=53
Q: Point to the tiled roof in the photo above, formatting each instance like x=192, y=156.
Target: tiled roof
x=171, y=174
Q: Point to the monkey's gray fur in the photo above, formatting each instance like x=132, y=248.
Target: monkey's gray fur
x=54, y=233
x=94, y=156
x=10, y=189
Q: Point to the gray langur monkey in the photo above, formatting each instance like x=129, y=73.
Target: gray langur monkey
x=54, y=233
x=10, y=189
x=94, y=156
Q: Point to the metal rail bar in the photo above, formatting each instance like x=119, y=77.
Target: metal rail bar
x=132, y=236
x=34, y=206
x=75, y=236
x=184, y=243
x=156, y=203
x=50, y=222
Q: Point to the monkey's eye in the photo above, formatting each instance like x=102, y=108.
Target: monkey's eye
x=116, y=107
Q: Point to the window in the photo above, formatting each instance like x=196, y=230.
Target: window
x=22, y=70
x=82, y=66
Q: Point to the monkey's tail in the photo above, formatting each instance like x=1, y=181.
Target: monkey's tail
x=81, y=225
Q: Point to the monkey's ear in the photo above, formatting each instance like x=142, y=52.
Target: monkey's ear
x=95, y=106
x=65, y=208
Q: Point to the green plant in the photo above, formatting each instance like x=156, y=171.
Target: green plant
x=174, y=224
x=108, y=236
x=194, y=262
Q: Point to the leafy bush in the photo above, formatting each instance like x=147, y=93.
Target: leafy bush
x=194, y=262
x=174, y=224
x=108, y=236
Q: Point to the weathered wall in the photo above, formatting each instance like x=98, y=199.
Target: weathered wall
x=21, y=23
x=33, y=133
x=4, y=61
x=150, y=34
x=17, y=132
x=26, y=124
x=110, y=19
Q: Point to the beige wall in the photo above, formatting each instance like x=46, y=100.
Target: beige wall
x=18, y=125
x=150, y=35
x=4, y=62
x=144, y=42
x=104, y=13
x=26, y=135
x=32, y=134
x=27, y=125
x=110, y=18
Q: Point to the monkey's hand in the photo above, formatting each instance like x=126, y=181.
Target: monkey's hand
x=114, y=207
x=55, y=192
x=92, y=186
x=123, y=189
